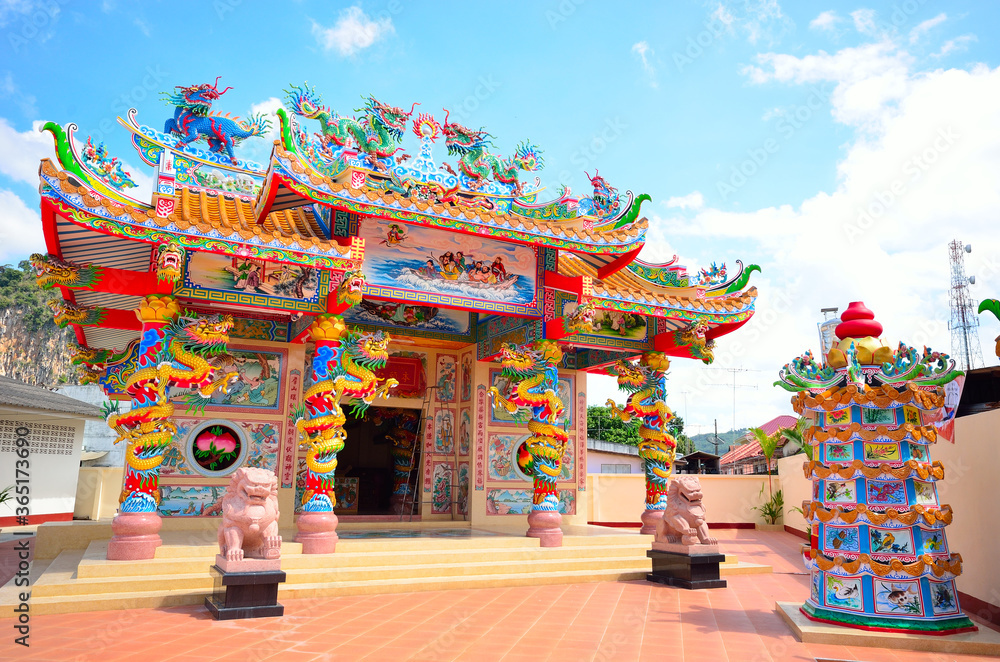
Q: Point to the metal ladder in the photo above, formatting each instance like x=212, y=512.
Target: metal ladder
x=410, y=503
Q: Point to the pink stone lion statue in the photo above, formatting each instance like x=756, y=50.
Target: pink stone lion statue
x=684, y=519
x=249, y=527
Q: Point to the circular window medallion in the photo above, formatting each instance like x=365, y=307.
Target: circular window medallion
x=216, y=447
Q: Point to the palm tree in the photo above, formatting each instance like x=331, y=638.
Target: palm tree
x=794, y=436
x=768, y=444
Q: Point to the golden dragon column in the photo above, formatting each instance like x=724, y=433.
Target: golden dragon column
x=646, y=383
x=535, y=370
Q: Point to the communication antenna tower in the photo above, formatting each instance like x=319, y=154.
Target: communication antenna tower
x=964, y=324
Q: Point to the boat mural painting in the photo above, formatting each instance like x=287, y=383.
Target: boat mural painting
x=449, y=265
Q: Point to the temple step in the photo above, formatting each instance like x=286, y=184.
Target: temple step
x=79, y=580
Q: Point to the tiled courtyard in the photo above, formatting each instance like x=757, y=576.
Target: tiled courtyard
x=600, y=621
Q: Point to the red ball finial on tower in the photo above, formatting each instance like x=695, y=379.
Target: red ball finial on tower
x=858, y=322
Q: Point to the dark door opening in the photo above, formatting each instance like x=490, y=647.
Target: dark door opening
x=380, y=448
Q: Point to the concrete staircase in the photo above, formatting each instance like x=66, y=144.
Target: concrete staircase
x=77, y=581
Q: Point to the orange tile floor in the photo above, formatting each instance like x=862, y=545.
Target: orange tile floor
x=604, y=621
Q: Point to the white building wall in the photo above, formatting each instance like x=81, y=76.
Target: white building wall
x=596, y=458
x=53, y=462
x=97, y=436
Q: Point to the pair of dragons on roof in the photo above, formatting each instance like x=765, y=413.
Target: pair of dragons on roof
x=380, y=129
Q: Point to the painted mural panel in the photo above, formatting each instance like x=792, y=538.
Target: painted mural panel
x=443, y=265
x=943, y=600
x=933, y=541
x=447, y=375
x=213, y=277
x=839, y=418
x=410, y=316
x=881, y=452
x=444, y=431
x=925, y=493
x=508, y=457
x=878, y=416
x=257, y=387
x=466, y=378
x=463, y=488
x=840, y=452
x=840, y=491
x=506, y=386
x=886, y=493
x=838, y=539
x=518, y=502
x=441, y=494
x=843, y=593
x=890, y=541
x=898, y=597
x=614, y=324
x=465, y=431
x=190, y=501
x=263, y=440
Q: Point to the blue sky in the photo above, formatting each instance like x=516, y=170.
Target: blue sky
x=821, y=105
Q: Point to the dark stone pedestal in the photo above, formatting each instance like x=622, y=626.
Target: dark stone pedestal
x=245, y=594
x=686, y=570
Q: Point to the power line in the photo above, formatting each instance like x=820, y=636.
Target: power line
x=735, y=386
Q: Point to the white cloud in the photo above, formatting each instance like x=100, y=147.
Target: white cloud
x=693, y=200
x=825, y=21
x=142, y=25
x=925, y=26
x=868, y=78
x=758, y=20
x=20, y=229
x=20, y=152
x=353, y=32
x=10, y=91
x=921, y=176
x=956, y=45
x=864, y=21
x=644, y=52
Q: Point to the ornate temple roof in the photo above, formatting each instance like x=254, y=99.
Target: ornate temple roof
x=199, y=219
x=624, y=287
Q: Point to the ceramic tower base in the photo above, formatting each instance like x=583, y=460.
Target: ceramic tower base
x=317, y=532
x=135, y=536
x=544, y=525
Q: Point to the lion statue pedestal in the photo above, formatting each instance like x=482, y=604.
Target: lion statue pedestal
x=684, y=554
x=248, y=569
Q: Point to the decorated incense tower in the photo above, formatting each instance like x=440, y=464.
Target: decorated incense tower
x=878, y=554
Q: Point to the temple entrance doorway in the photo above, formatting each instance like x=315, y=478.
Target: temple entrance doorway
x=373, y=475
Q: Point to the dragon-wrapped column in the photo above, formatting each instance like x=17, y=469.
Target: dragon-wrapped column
x=535, y=370
x=147, y=429
x=343, y=365
x=646, y=383
x=320, y=422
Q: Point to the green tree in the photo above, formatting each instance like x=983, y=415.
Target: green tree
x=794, y=436
x=768, y=444
x=18, y=289
x=602, y=425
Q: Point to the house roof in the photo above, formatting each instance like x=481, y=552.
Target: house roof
x=15, y=393
x=752, y=449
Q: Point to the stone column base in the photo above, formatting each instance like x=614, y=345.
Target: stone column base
x=649, y=520
x=135, y=536
x=544, y=525
x=317, y=532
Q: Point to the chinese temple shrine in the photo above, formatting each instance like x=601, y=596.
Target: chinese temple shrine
x=421, y=278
